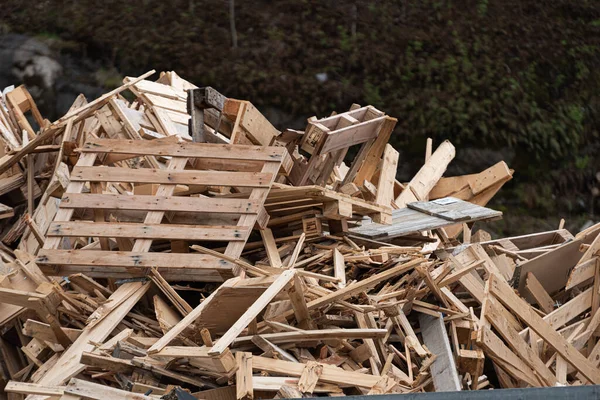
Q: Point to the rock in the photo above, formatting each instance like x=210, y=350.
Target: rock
x=29, y=61
x=53, y=79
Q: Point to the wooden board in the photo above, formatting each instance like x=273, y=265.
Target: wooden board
x=443, y=369
x=407, y=221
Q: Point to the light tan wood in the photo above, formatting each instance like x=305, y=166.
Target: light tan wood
x=271, y=248
x=506, y=296
x=428, y=175
x=252, y=312
x=538, y=292
x=330, y=374
x=243, y=376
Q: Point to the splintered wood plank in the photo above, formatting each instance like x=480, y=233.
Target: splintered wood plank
x=159, y=203
x=592, y=251
x=494, y=314
x=158, y=89
x=460, y=186
x=147, y=231
x=538, y=292
x=243, y=376
x=68, y=365
x=185, y=149
x=330, y=373
x=296, y=294
x=429, y=174
x=183, y=177
x=339, y=267
x=317, y=334
x=134, y=261
x=519, y=307
x=373, y=153
x=374, y=360
x=310, y=376
x=256, y=125
x=252, y=312
x=496, y=350
x=271, y=248
x=95, y=391
x=34, y=388
x=489, y=177
x=443, y=369
x=568, y=311
x=387, y=177
x=360, y=286
x=42, y=331
x=581, y=273
x=189, y=319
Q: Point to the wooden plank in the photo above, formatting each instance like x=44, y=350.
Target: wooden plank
x=42, y=331
x=360, y=286
x=443, y=369
x=330, y=374
x=387, y=176
x=515, y=304
x=538, y=292
x=591, y=251
x=568, y=311
x=185, y=149
x=271, y=248
x=489, y=177
x=95, y=391
x=494, y=314
x=373, y=153
x=460, y=186
x=243, y=376
x=257, y=126
x=134, y=261
x=581, y=273
x=339, y=268
x=318, y=334
x=34, y=388
x=252, y=312
x=187, y=177
x=159, y=203
x=497, y=350
x=438, y=208
x=295, y=292
x=147, y=231
x=428, y=175
x=351, y=135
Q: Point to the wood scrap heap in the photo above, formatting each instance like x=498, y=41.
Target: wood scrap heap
x=165, y=241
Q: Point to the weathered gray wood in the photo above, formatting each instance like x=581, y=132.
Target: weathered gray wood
x=443, y=370
x=406, y=221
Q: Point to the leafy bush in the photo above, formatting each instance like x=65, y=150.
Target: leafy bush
x=521, y=74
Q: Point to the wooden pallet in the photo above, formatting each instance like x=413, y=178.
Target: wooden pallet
x=327, y=140
x=133, y=230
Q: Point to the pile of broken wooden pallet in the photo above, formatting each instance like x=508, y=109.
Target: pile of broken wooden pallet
x=179, y=245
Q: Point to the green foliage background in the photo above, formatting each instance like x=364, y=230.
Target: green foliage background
x=511, y=74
